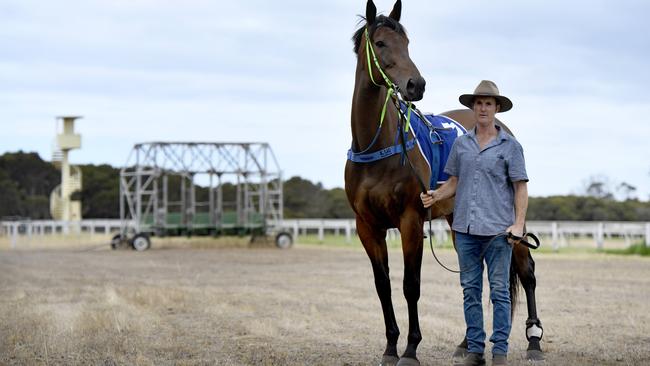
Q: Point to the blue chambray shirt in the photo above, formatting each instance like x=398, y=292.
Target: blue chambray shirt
x=484, y=203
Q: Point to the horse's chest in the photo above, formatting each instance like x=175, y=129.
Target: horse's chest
x=386, y=199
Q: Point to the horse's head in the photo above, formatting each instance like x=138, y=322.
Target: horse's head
x=386, y=38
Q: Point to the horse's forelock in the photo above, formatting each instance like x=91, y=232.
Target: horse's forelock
x=381, y=21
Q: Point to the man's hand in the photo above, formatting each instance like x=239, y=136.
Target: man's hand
x=516, y=230
x=429, y=198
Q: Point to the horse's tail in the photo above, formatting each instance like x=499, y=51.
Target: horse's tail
x=514, y=286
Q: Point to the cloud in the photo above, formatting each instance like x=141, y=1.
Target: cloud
x=284, y=73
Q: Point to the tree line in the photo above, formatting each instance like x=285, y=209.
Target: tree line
x=26, y=182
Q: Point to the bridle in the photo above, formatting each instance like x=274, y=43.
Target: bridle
x=394, y=94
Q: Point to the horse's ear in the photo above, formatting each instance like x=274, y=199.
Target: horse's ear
x=371, y=12
x=396, y=13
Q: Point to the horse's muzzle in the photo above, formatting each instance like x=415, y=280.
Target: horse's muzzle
x=415, y=89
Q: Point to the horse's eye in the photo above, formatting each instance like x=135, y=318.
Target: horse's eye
x=380, y=44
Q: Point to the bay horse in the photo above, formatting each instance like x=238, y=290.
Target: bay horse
x=385, y=193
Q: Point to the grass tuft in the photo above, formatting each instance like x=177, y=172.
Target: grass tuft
x=636, y=249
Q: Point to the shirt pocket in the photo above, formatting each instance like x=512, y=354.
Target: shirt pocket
x=497, y=166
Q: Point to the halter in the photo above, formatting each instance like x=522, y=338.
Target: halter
x=393, y=93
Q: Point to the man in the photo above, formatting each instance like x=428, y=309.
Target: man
x=488, y=176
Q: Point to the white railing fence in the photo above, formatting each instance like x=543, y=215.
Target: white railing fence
x=560, y=233
x=30, y=228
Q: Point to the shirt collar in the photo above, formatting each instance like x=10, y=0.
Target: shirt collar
x=501, y=136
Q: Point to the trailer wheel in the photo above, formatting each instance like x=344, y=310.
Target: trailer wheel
x=141, y=242
x=283, y=240
x=116, y=241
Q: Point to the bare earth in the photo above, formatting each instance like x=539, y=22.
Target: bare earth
x=305, y=306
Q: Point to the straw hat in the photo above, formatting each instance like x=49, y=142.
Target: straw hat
x=486, y=88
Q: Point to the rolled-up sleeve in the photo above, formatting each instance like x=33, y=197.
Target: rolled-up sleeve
x=517, y=164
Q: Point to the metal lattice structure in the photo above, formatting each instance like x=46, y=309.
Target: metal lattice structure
x=177, y=188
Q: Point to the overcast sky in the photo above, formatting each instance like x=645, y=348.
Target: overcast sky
x=282, y=72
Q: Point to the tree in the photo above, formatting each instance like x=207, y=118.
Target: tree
x=599, y=187
x=338, y=205
x=627, y=191
x=100, y=191
x=10, y=202
x=25, y=185
x=303, y=198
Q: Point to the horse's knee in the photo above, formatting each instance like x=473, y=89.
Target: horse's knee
x=382, y=284
x=412, y=288
x=382, y=281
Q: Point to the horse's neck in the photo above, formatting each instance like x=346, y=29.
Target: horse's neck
x=367, y=103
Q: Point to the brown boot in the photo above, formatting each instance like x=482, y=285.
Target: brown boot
x=499, y=360
x=472, y=359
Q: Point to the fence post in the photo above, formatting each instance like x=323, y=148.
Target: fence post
x=321, y=231
x=555, y=236
x=14, y=233
x=296, y=231
x=599, y=235
x=647, y=234
x=348, y=232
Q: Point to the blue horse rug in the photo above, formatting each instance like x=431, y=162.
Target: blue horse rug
x=435, y=143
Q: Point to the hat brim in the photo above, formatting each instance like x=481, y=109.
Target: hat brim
x=468, y=100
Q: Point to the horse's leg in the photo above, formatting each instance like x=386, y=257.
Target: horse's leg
x=412, y=243
x=461, y=349
x=374, y=242
x=524, y=265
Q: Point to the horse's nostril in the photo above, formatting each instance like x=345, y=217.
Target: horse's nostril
x=415, y=87
x=410, y=85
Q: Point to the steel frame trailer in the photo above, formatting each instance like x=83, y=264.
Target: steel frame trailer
x=200, y=188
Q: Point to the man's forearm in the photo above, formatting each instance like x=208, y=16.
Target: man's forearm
x=521, y=202
x=448, y=189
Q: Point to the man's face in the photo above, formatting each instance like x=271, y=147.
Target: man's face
x=484, y=109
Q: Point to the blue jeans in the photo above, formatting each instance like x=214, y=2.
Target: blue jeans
x=497, y=258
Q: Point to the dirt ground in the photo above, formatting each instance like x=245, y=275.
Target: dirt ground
x=309, y=305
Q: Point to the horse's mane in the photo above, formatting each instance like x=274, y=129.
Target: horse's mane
x=381, y=21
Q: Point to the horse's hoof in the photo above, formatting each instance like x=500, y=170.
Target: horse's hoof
x=407, y=361
x=459, y=353
x=535, y=355
x=389, y=361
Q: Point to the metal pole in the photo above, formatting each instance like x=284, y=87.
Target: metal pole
x=211, y=203
x=138, y=198
x=156, y=214
x=165, y=199
x=183, y=202
x=122, y=199
x=192, y=213
x=239, y=205
x=219, y=213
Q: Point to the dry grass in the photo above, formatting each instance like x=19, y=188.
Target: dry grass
x=304, y=306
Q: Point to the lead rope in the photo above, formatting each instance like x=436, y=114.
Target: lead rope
x=423, y=187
